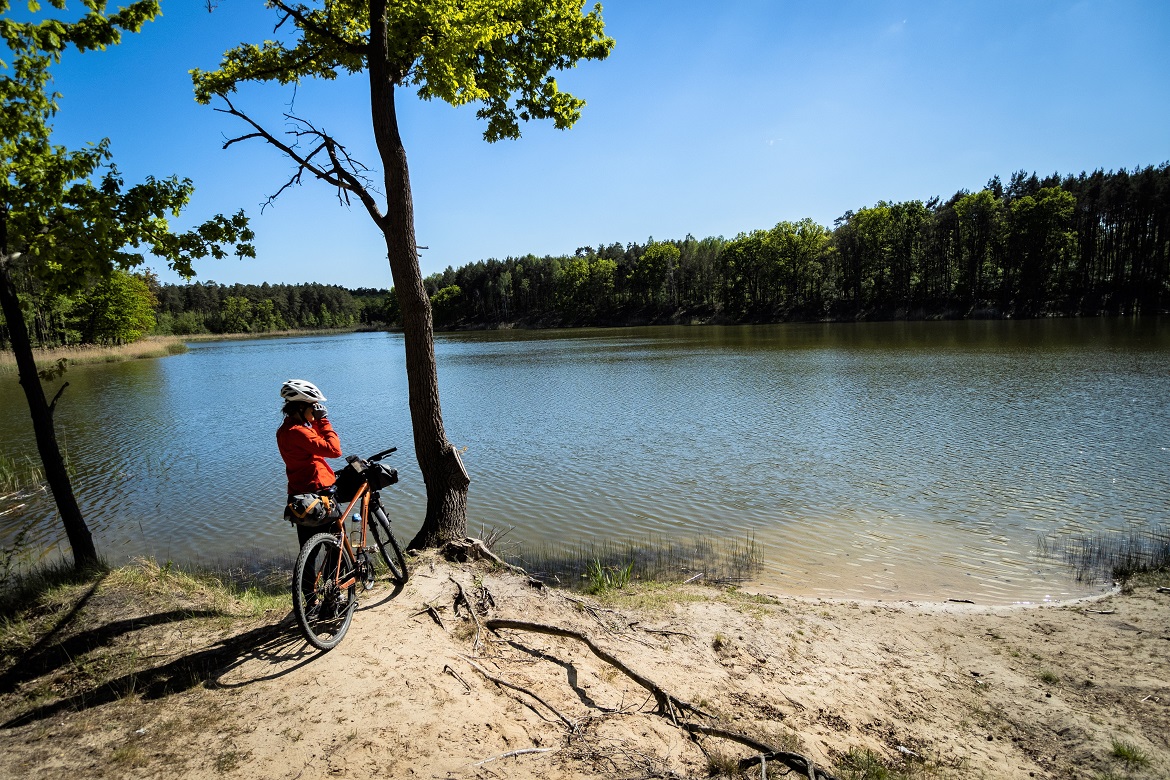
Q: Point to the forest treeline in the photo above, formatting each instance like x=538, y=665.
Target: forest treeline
x=128, y=306
x=1089, y=244
x=1061, y=245
x=249, y=308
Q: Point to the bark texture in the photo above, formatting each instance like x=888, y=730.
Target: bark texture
x=84, y=552
x=443, y=472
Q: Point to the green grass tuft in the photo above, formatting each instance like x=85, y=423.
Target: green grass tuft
x=606, y=578
x=1131, y=754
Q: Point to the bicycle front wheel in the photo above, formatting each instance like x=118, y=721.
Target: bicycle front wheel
x=323, y=609
x=388, y=546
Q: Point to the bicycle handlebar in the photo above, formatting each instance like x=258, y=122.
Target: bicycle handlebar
x=382, y=454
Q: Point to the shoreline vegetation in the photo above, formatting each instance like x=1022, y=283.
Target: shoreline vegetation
x=153, y=347
x=82, y=354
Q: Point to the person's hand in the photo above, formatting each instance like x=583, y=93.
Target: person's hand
x=320, y=412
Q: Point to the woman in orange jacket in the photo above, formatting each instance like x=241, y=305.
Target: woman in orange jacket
x=305, y=439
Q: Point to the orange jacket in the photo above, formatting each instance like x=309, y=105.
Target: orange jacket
x=304, y=448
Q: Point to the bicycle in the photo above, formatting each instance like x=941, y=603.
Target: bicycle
x=330, y=565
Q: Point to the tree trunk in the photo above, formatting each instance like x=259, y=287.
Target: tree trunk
x=84, y=552
x=443, y=472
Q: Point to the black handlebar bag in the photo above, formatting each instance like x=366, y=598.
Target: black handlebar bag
x=357, y=472
x=312, y=510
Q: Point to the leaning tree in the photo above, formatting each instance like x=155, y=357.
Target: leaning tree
x=496, y=53
x=67, y=220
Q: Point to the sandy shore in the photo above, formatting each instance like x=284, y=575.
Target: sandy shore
x=118, y=684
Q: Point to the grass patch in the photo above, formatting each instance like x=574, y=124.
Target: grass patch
x=721, y=764
x=864, y=764
x=1131, y=754
x=1112, y=555
x=1049, y=677
x=650, y=560
x=43, y=583
x=650, y=596
x=235, y=592
x=128, y=755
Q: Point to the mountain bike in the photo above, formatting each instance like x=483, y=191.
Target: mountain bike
x=331, y=564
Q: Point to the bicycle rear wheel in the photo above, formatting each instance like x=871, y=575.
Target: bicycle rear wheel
x=323, y=609
x=388, y=546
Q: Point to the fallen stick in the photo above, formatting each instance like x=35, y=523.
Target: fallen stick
x=447, y=668
x=511, y=753
x=692, y=579
x=434, y=613
x=662, y=631
x=505, y=684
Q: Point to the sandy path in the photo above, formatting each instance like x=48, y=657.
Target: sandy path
x=952, y=690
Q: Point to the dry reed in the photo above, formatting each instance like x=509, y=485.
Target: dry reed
x=152, y=347
x=1111, y=555
x=654, y=560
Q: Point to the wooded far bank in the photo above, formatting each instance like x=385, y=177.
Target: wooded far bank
x=1091, y=244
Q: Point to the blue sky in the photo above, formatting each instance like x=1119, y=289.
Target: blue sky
x=709, y=118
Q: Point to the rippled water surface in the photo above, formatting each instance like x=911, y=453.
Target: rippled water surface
x=889, y=460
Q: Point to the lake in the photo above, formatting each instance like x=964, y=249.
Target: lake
x=878, y=460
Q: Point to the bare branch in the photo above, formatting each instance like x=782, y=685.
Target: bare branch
x=53, y=403
x=342, y=172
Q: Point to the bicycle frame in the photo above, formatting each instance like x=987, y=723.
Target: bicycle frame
x=362, y=496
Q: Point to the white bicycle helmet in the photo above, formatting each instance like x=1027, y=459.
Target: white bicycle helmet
x=301, y=390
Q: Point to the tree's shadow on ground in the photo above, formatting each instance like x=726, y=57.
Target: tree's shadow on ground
x=275, y=644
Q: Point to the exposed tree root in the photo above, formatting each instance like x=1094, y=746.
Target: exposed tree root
x=670, y=706
x=464, y=550
x=667, y=705
x=471, y=609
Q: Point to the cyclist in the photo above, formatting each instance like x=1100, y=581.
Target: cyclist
x=305, y=439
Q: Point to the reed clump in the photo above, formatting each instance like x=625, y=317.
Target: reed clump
x=1117, y=556
x=81, y=354
x=18, y=475
x=601, y=563
x=255, y=570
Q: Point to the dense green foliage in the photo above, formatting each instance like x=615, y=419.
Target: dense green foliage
x=1090, y=244
x=125, y=307
x=250, y=308
x=70, y=225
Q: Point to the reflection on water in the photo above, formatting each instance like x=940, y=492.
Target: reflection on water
x=888, y=460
